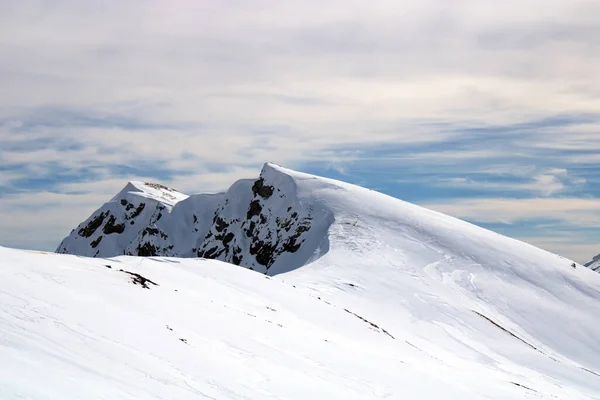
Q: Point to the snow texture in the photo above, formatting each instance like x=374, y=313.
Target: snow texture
x=382, y=299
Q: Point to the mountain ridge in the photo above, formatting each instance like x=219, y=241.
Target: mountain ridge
x=393, y=284
x=254, y=223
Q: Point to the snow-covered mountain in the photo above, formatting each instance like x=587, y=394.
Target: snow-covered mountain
x=594, y=265
x=264, y=224
x=369, y=297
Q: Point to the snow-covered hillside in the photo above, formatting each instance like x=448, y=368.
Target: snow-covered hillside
x=373, y=298
x=164, y=328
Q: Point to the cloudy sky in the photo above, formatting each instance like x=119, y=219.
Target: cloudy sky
x=486, y=110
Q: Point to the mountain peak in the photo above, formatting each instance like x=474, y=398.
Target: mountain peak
x=150, y=190
x=263, y=224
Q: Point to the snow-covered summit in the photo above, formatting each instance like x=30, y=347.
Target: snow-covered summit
x=265, y=224
x=154, y=191
x=114, y=227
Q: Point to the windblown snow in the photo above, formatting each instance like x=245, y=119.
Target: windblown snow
x=360, y=296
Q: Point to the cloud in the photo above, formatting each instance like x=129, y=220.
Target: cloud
x=574, y=211
x=546, y=183
x=467, y=96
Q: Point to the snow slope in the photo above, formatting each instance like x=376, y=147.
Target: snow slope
x=378, y=299
x=79, y=328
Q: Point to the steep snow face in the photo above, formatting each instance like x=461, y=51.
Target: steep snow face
x=264, y=224
x=594, y=265
x=168, y=328
x=122, y=222
x=455, y=286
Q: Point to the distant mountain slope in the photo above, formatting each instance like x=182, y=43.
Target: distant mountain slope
x=122, y=222
x=262, y=224
x=594, y=265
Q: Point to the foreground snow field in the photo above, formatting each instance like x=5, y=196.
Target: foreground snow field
x=383, y=299
x=73, y=328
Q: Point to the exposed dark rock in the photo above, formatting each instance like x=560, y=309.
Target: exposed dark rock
x=220, y=224
x=138, y=210
x=147, y=250
x=263, y=219
x=264, y=191
x=250, y=229
x=123, y=202
x=228, y=238
x=263, y=252
x=111, y=227
x=290, y=245
x=91, y=227
x=523, y=386
x=505, y=330
x=159, y=216
x=302, y=228
x=138, y=279
x=254, y=209
x=195, y=219
x=236, y=259
x=150, y=231
x=96, y=242
x=370, y=323
x=286, y=224
x=210, y=253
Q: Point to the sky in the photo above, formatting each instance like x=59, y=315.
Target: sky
x=485, y=110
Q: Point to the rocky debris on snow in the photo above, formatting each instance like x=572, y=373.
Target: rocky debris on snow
x=373, y=325
x=138, y=279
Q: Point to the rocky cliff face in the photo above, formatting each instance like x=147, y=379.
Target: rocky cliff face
x=261, y=224
x=123, y=222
